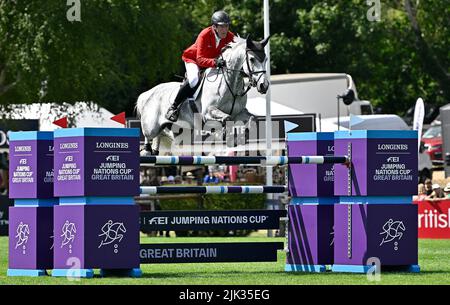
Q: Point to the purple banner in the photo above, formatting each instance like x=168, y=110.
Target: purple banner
x=380, y=167
x=31, y=169
x=97, y=166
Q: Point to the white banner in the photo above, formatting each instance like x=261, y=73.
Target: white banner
x=419, y=114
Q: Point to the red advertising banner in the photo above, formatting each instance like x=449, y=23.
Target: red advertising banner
x=434, y=219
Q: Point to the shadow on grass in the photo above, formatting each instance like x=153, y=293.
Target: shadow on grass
x=183, y=274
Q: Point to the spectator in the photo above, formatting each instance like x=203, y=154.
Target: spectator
x=436, y=193
x=189, y=178
x=219, y=176
x=428, y=187
x=210, y=178
x=421, y=192
x=171, y=179
x=164, y=180
x=447, y=191
x=178, y=179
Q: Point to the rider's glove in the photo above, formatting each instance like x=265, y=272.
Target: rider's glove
x=220, y=62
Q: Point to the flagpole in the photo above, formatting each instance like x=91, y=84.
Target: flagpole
x=269, y=169
x=269, y=180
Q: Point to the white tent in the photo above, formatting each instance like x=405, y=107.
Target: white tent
x=257, y=106
x=369, y=122
x=81, y=114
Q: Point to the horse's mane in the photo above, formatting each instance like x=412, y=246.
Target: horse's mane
x=233, y=46
x=237, y=41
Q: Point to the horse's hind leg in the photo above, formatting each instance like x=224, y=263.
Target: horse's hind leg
x=150, y=131
x=147, y=146
x=155, y=145
x=151, y=147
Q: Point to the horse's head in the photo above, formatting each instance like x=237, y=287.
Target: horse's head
x=401, y=226
x=255, y=64
x=122, y=228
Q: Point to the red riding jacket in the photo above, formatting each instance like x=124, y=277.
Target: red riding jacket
x=204, y=51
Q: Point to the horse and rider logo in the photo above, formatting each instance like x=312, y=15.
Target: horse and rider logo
x=392, y=230
x=23, y=233
x=68, y=233
x=112, y=232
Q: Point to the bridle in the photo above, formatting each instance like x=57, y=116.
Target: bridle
x=250, y=74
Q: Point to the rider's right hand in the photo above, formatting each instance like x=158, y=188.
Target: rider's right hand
x=220, y=62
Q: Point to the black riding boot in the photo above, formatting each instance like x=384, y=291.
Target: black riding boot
x=185, y=92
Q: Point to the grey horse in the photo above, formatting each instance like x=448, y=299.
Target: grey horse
x=223, y=95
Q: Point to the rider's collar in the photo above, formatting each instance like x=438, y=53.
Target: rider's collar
x=217, y=37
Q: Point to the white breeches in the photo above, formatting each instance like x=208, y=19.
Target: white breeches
x=192, y=72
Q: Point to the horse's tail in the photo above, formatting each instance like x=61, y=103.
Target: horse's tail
x=142, y=99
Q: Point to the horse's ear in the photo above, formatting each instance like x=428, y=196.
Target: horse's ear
x=250, y=44
x=265, y=41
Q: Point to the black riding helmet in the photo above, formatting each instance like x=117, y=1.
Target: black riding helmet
x=220, y=18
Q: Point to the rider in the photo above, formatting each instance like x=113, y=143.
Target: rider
x=204, y=53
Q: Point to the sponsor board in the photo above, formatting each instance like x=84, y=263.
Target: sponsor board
x=434, y=219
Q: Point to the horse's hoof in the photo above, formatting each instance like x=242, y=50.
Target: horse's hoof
x=145, y=153
x=225, y=119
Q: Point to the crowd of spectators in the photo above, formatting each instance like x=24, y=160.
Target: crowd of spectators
x=432, y=191
x=212, y=177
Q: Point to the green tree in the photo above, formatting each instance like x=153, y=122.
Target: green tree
x=119, y=49
x=390, y=65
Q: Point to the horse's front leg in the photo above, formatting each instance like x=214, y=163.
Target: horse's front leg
x=248, y=122
x=245, y=117
x=215, y=114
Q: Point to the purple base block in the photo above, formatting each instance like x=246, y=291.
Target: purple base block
x=305, y=268
x=96, y=237
x=26, y=272
x=373, y=268
x=310, y=237
x=385, y=232
x=73, y=273
x=311, y=180
x=30, y=238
